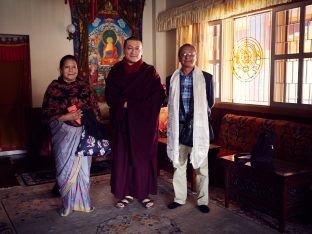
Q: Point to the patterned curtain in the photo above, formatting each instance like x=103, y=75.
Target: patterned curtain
x=81, y=17
x=132, y=12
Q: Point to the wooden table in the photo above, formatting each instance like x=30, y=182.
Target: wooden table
x=280, y=189
x=164, y=162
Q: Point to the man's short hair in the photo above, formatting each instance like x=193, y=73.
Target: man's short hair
x=186, y=45
x=132, y=38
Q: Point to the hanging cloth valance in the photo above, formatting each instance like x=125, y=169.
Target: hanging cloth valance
x=203, y=11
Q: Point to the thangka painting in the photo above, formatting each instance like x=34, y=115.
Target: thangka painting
x=106, y=38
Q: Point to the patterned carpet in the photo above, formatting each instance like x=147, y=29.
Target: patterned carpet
x=148, y=224
x=48, y=176
x=295, y=225
x=33, y=209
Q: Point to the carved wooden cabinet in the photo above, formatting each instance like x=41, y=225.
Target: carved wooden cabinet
x=281, y=189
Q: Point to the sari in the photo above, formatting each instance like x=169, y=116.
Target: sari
x=72, y=171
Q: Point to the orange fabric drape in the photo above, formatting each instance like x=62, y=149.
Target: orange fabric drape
x=192, y=34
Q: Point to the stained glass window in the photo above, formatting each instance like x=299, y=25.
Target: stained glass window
x=250, y=60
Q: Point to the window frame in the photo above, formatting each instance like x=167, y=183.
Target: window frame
x=301, y=55
x=214, y=23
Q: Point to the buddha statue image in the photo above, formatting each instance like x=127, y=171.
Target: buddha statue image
x=109, y=51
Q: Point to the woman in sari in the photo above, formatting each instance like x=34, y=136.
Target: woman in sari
x=64, y=101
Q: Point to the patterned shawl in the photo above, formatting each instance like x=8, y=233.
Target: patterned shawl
x=60, y=95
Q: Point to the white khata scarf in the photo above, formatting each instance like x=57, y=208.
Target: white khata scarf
x=200, y=129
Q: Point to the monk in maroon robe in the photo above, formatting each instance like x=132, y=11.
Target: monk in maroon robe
x=134, y=94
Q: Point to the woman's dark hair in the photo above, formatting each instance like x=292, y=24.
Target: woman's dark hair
x=66, y=57
x=132, y=38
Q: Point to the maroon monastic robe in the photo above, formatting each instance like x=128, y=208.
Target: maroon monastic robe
x=135, y=129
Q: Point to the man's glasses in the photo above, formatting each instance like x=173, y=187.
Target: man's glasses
x=190, y=55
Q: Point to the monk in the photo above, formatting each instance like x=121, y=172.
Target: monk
x=135, y=95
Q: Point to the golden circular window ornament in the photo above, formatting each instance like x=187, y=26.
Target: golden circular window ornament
x=247, y=59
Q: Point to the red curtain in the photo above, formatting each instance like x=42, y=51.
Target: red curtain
x=16, y=48
x=15, y=88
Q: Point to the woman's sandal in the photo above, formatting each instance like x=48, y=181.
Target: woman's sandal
x=124, y=202
x=147, y=203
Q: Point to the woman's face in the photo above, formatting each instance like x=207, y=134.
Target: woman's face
x=69, y=70
x=133, y=51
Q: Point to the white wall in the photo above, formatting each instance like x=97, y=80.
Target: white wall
x=160, y=46
x=148, y=32
x=154, y=43
x=45, y=22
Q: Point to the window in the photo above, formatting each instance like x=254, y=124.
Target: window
x=262, y=58
x=249, y=59
x=292, y=54
x=214, y=55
